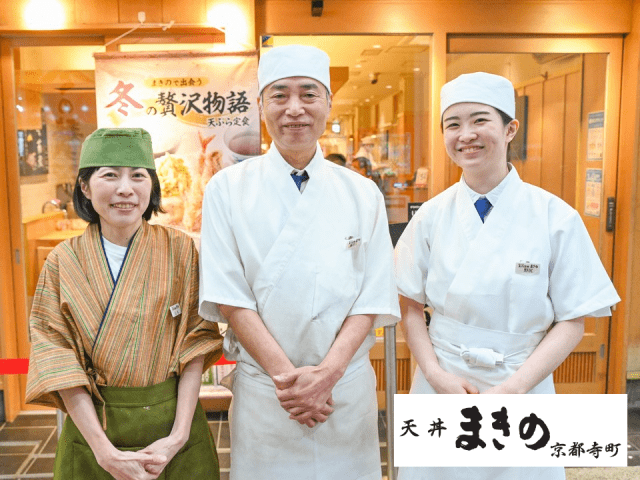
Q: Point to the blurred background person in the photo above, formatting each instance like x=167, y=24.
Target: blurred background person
x=337, y=158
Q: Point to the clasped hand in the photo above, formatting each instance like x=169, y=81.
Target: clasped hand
x=124, y=465
x=305, y=393
x=145, y=464
x=445, y=382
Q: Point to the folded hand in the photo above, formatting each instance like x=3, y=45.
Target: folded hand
x=306, y=394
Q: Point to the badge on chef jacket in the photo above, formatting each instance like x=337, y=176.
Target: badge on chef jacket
x=175, y=310
x=352, y=242
x=527, y=268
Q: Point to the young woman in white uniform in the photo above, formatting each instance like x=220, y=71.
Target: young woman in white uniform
x=513, y=277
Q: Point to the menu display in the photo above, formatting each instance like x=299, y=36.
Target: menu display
x=200, y=109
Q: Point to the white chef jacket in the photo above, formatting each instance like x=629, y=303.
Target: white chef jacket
x=498, y=285
x=303, y=261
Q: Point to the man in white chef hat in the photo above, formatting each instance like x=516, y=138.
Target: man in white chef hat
x=296, y=257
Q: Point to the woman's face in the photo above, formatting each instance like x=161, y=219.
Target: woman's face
x=475, y=137
x=120, y=196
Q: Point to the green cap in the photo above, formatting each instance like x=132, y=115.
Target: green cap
x=118, y=147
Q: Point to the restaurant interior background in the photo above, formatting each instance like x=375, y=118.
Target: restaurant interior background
x=386, y=93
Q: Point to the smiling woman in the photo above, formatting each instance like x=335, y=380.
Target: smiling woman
x=117, y=197
x=120, y=196
x=99, y=328
x=476, y=139
x=468, y=239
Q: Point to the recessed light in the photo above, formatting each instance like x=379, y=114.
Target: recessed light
x=388, y=86
x=377, y=46
x=366, y=100
x=416, y=69
x=358, y=66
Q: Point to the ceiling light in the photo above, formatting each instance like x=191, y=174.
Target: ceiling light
x=44, y=15
x=388, y=86
x=377, y=46
x=416, y=69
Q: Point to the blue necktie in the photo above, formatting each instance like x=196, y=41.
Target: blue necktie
x=298, y=179
x=483, y=206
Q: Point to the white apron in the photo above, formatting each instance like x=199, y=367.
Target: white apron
x=489, y=315
x=304, y=262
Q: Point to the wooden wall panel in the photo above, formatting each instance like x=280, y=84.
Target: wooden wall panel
x=17, y=325
x=128, y=10
x=593, y=100
x=195, y=12
x=421, y=16
x=8, y=343
x=579, y=367
x=552, y=136
x=573, y=93
x=530, y=170
x=11, y=13
x=95, y=12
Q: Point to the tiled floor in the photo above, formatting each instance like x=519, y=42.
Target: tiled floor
x=27, y=448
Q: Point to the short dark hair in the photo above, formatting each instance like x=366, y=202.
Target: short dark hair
x=84, y=207
x=506, y=120
x=337, y=158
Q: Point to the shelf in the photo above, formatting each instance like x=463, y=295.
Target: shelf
x=215, y=398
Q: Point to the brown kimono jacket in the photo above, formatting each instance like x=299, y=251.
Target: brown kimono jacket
x=138, y=329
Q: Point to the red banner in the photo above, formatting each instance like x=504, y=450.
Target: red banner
x=14, y=366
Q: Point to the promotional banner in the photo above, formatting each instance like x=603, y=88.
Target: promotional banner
x=510, y=430
x=201, y=111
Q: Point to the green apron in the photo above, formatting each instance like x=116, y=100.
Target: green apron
x=137, y=417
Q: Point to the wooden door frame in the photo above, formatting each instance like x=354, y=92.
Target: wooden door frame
x=613, y=46
x=14, y=334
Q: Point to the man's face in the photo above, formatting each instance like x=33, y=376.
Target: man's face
x=295, y=111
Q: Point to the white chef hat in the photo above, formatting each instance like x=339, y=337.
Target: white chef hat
x=293, y=61
x=479, y=87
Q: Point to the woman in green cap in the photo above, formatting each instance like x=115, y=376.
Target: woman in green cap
x=117, y=341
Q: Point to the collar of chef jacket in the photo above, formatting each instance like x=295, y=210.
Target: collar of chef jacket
x=286, y=168
x=494, y=194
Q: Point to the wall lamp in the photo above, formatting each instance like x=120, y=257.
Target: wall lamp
x=316, y=8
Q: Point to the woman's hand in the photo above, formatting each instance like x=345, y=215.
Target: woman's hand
x=445, y=382
x=129, y=465
x=499, y=389
x=165, y=447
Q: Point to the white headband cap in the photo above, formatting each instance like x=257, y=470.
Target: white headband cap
x=293, y=61
x=479, y=87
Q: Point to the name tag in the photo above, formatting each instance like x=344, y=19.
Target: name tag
x=175, y=310
x=352, y=242
x=527, y=268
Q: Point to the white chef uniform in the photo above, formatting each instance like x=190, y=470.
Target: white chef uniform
x=472, y=274
x=303, y=261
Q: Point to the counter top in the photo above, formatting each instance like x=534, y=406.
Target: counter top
x=61, y=235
